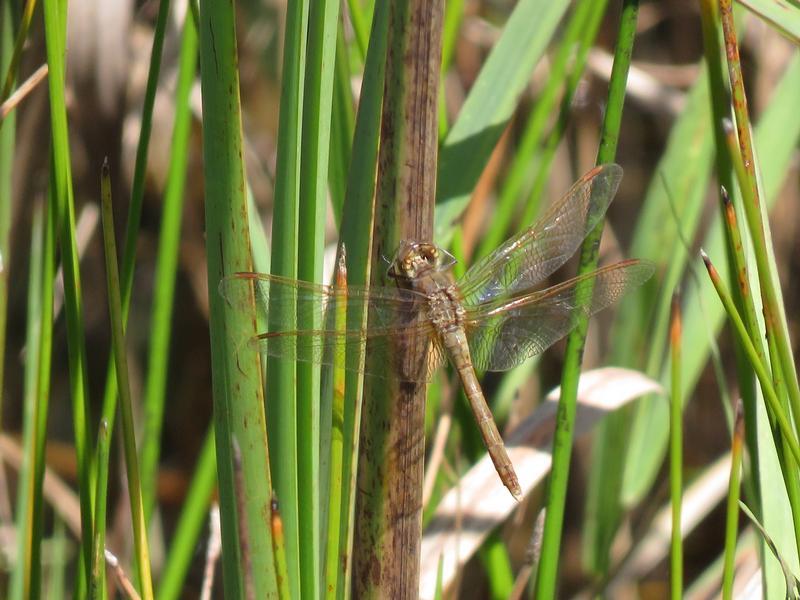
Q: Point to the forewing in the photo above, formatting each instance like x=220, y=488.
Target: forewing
x=298, y=321
x=503, y=334
x=528, y=258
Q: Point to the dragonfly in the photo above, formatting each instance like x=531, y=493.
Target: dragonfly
x=493, y=318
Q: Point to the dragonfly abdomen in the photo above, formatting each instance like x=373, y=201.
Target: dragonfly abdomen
x=455, y=341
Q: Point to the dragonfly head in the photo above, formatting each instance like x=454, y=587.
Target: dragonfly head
x=414, y=259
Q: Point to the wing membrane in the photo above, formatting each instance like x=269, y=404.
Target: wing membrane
x=300, y=321
x=504, y=333
x=528, y=258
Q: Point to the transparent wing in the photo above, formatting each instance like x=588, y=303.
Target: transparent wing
x=502, y=334
x=528, y=258
x=299, y=322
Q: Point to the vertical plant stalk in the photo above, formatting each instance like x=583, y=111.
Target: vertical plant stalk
x=774, y=319
x=317, y=95
x=282, y=375
x=43, y=389
x=236, y=376
x=785, y=439
x=38, y=337
x=745, y=297
x=392, y=448
x=166, y=268
x=343, y=114
x=28, y=569
x=744, y=300
x=356, y=233
x=191, y=523
x=140, y=165
x=61, y=181
x=676, y=452
x=126, y=404
x=358, y=18
x=335, y=522
x=9, y=67
x=781, y=360
x=137, y=197
x=763, y=375
x=727, y=165
x=562, y=440
x=98, y=582
x=732, y=510
x=8, y=58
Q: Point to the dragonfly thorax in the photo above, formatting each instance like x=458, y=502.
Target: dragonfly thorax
x=445, y=309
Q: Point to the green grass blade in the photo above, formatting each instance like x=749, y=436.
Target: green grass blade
x=685, y=165
x=166, y=269
x=26, y=576
x=316, y=140
x=342, y=124
x=236, y=377
x=762, y=373
x=258, y=240
x=453, y=17
x=8, y=56
x=562, y=441
x=356, y=236
x=336, y=482
x=26, y=570
x=97, y=586
x=732, y=511
x=496, y=561
x=134, y=486
x=687, y=158
x=359, y=19
x=758, y=224
x=282, y=406
x=43, y=382
x=137, y=197
x=61, y=546
x=489, y=106
x=726, y=165
x=361, y=173
x=190, y=524
x=140, y=165
x=776, y=135
x=61, y=173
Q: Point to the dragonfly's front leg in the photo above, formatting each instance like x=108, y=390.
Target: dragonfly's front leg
x=456, y=344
